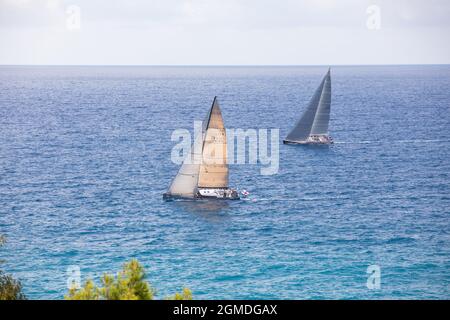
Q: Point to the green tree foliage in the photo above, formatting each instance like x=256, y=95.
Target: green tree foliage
x=186, y=294
x=129, y=284
x=10, y=288
x=88, y=292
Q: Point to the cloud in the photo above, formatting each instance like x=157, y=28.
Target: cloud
x=231, y=13
x=240, y=31
x=30, y=13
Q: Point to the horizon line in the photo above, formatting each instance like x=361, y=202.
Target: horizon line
x=225, y=65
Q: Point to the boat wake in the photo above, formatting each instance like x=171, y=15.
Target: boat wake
x=295, y=199
x=393, y=141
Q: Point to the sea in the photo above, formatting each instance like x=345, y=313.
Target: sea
x=86, y=154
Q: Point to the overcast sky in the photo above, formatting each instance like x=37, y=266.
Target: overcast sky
x=224, y=32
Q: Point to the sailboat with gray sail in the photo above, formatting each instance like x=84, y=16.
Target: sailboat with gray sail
x=312, y=128
x=204, y=172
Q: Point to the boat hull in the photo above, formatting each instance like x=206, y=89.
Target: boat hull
x=307, y=143
x=206, y=194
x=312, y=140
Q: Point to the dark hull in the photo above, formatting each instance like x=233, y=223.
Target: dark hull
x=309, y=143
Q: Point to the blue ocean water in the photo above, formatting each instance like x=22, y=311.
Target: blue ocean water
x=85, y=158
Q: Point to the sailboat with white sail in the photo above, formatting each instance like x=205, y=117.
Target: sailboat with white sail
x=312, y=128
x=204, y=172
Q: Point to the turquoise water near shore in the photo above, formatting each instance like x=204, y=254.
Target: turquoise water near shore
x=85, y=158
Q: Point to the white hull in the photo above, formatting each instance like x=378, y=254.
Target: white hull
x=217, y=193
x=207, y=194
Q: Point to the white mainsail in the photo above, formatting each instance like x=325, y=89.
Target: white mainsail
x=206, y=165
x=315, y=119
